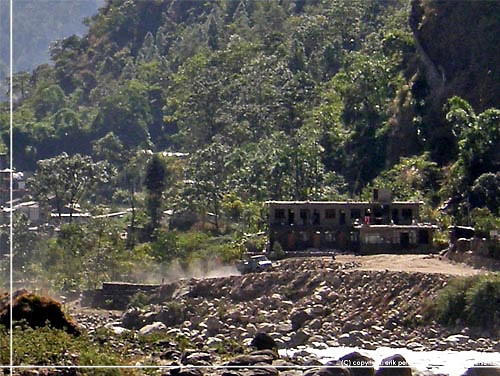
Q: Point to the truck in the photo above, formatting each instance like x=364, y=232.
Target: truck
x=255, y=264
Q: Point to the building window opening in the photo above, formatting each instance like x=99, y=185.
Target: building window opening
x=304, y=215
x=407, y=215
x=330, y=213
x=279, y=215
x=355, y=237
x=404, y=239
x=423, y=237
x=316, y=218
x=291, y=217
x=395, y=216
x=342, y=217
x=355, y=214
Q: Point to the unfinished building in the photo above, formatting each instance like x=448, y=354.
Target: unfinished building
x=377, y=226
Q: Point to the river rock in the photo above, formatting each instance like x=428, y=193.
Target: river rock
x=152, y=328
x=263, y=341
x=315, y=324
x=186, y=371
x=213, y=325
x=330, y=369
x=250, y=360
x=355, y=359
x=299, y=318
x=299, y=338
x=262, y=371
x=475, y=371
x=196, y=358
x=392, y=361
x=350, y=339
x=457, y=338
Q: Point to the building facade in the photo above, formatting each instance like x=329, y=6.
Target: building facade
x=377, y=226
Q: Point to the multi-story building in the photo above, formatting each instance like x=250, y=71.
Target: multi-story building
x=377, y=226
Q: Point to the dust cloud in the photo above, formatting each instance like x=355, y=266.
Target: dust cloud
x=177, y=270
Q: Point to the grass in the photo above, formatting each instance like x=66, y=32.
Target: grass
x=45, y=347
x=54, y=347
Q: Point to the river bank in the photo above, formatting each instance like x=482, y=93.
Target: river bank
x=314, y=304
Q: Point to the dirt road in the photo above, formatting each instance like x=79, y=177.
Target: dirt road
x=409, y=263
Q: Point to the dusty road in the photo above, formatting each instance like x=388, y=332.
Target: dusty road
x=409, y=263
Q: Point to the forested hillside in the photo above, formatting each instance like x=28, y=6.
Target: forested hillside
x=36, y=24
x=288, y=99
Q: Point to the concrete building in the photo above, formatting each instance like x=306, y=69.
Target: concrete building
x=377, y=226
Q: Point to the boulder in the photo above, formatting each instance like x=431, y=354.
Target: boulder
x=196, y=358
x=214, y=325
x=355, y=359
x=133, y=318
x=37, y=311
x=333, y=370
x=299, y=318
x=350, y=339
x=262, y=371
x=263, y=341
x=171, y=315
x=271, y=353
x=187, y=371
x=152, y=328
x=396, y=360
x=457, y=338
x=250, y=360
x=476, y=371
x=299, y=338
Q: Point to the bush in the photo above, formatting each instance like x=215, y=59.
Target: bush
x=473, y=301
x=46, y=346
x=139, y=299
x=482, y=307
x=277, y=252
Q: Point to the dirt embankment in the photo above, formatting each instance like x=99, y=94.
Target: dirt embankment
x=410, y=264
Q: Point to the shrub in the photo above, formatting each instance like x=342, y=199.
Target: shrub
x=46, y=346
x=139, y=299
x=482, y=299
x=473, y=301
x=277, y=252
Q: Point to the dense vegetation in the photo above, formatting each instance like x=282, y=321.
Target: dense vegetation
x=289, y=99
x=36, y=24
x=472, y=301
x=54, y=347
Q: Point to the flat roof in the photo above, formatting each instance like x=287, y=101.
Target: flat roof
x=340, y=202
x=402, y=227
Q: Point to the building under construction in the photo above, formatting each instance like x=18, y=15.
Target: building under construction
x=377, y=226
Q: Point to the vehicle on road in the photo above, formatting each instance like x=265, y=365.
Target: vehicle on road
x=255, y=264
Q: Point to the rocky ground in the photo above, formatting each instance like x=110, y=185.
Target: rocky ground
x=316, y=303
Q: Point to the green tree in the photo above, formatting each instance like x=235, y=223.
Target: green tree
x=155, y=181
x=66, y=180
x=478, y=144
x=209, y=169
x=478, y=138
x=131, y=176
x=48, y=100
x=127, y=114
x=485, y=192
x=21, y=85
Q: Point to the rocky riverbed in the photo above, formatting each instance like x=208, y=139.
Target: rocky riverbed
x=314, y=303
